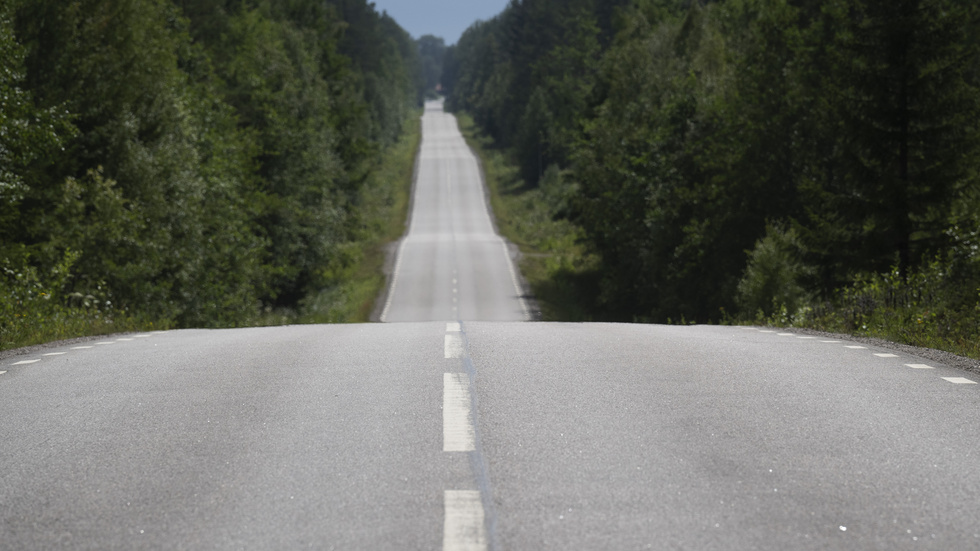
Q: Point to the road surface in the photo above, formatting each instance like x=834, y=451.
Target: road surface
x=466, y=433
x=451, y=265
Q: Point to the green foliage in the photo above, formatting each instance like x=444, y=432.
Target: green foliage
x=205, y=162
x=37, y=307
x=684, y=128
x=774, y=280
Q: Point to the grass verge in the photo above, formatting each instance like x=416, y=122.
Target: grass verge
x=562, y=273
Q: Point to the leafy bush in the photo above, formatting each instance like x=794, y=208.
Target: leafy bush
x=773, y=279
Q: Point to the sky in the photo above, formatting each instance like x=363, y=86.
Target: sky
x=443, y=18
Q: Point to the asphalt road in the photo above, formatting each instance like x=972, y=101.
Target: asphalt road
x=451, y=264
x=485, y=435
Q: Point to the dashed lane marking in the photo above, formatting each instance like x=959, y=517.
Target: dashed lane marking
x=81, y=347
x=142, y=336
x=463, y=528
x=25, y=362
x=786, y=335
x=886, y=355
x=55, y=354
x=830, y=342
x=806, y=338
x=453, y=327
x=857, y=347
x=959, y=380
x=458, y=433
x=104, y=343
x=2, y=372
x=919, y=366
x=453, y=346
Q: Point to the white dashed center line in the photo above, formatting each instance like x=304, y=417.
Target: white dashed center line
x=830, y=342
x=886, y=355
x=25, y=362
x=458, y=434
x=857, y=347
x=454, y=346
x=463, y=529
x=919, y=366
x=960, y=380
x=453, y=327
x=55, y=354
x=80, y=347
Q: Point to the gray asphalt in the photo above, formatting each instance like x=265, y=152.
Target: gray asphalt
x=451, y=265
x=574, y=436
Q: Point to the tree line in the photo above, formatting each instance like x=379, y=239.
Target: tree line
x=744, y=157
x=196, y=161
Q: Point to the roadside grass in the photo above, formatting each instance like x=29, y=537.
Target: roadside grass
x=929, y=309
x=562, y=274
x=34, y=310
x=384, y=209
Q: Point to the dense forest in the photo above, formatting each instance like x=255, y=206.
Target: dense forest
x=193, y=162
x=746, y=157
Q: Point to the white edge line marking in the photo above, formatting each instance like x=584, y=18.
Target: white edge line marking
x=394, y=279
x=463, y=528
x=458, y=434
x=886, y=355
x=453, y=327
x=25, y=362
x=919, y=366
x=453, y=346
x=960, y=380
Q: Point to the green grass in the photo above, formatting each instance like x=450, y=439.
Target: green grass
x=934, y=307
x=561, y=272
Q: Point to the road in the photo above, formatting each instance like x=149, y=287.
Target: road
x=483, y=434
x=451, y=264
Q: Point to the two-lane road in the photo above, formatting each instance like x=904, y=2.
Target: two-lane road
x=458, y=429
x=451, y=264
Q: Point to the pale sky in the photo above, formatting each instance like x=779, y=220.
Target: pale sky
x=443, y=18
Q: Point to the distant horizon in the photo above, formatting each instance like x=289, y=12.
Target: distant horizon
x=452, y=19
